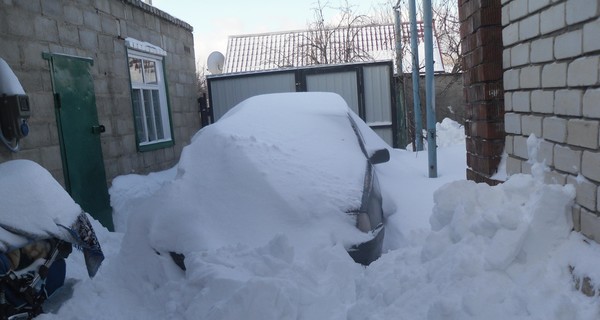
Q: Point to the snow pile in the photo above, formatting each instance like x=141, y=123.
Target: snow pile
x=493, y=253
x=448, y=132
x=33, y=203
x=130, y=191
x=9, y=83
x=456, y=249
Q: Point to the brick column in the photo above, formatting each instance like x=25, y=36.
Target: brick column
x=481, y=35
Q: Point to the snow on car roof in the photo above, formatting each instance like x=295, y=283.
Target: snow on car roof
x=285, y=164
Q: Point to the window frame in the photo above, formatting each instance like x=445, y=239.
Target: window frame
x=163, y=93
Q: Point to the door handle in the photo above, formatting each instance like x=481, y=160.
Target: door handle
x=98, y=129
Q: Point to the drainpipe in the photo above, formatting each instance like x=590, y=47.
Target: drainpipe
x=415, y=75
x=400, y=109
x=430, y=88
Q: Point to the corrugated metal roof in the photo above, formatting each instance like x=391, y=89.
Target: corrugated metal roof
x=267, y=51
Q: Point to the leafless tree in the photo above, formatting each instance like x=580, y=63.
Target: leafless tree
x=335, y=42
x=201, y=85
x=447, y=28
x=446, y=25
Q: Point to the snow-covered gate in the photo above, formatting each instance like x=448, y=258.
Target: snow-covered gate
x=366, y=87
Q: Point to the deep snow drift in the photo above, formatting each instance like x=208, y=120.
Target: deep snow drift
x=296, y=172
x=455, y=250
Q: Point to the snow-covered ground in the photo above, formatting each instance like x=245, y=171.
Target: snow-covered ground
x=453, y=250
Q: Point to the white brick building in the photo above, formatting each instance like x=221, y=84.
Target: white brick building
x=551, y=80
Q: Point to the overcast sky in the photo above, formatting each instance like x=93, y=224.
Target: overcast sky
x=215, y=20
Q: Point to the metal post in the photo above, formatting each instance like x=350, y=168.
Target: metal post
x=400, y=109
x=430, y=88
x=414, y=42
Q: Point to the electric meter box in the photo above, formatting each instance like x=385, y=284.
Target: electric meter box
x=14, y=112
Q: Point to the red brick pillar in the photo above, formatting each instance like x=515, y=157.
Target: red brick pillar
x=481, y=35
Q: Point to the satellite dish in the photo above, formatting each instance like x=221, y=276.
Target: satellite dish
x=215, y=62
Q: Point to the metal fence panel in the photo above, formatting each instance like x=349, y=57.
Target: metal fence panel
x=228, y=92
x=343, y=83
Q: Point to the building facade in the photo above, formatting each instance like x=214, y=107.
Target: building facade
x=111, y=86
x=549, y=89
x=552, y=90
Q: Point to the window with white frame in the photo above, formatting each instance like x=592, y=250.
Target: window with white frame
x=149, y=99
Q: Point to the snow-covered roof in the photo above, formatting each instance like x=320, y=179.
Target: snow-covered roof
x=268, y=51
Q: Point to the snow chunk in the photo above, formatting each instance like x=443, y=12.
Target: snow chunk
x=522, y=217
x=144, y=47
x=9, y=83
x=33, y=202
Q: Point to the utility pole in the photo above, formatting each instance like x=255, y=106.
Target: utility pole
x=430, y=88
x=400, y=109
x=414, y=44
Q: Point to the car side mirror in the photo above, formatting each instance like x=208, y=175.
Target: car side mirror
x=380, y=156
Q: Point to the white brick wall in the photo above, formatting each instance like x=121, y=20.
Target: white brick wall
x=590, y=224
x=518, y=9
x=520, y=101
x=567, y=159
x=512, y=123
x=505, y=15
x=535, y=5
x=519, y=55
x=529, y=77
x=531, y=124
x=583, y=72
x=510, y=34
x=506, y=56
x=567, y=102
x=591, y=36
x=511, y=79
x=542, y=50
x=581, y=10
x=553, y=75
x=508, y=101
x=586, y=192
x=551, y=65
x=520, y=147
x=542, y=101
x=583, y=133
x=545, y=153
x=508, y=144
x=529, y=27
x=590, y=165
x=555, y=129
x=591, y=103
x=568, y=45
x=513, y=165
x=552, y=19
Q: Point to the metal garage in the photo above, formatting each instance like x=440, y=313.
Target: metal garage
x=366, y=87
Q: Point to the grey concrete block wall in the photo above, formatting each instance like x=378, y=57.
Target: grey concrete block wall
x=551, y=65
x=449, y=98
x=97, y=29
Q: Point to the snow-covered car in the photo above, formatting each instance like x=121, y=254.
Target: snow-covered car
x=296, y=165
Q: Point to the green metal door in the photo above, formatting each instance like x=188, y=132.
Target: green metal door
x=79, y=134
